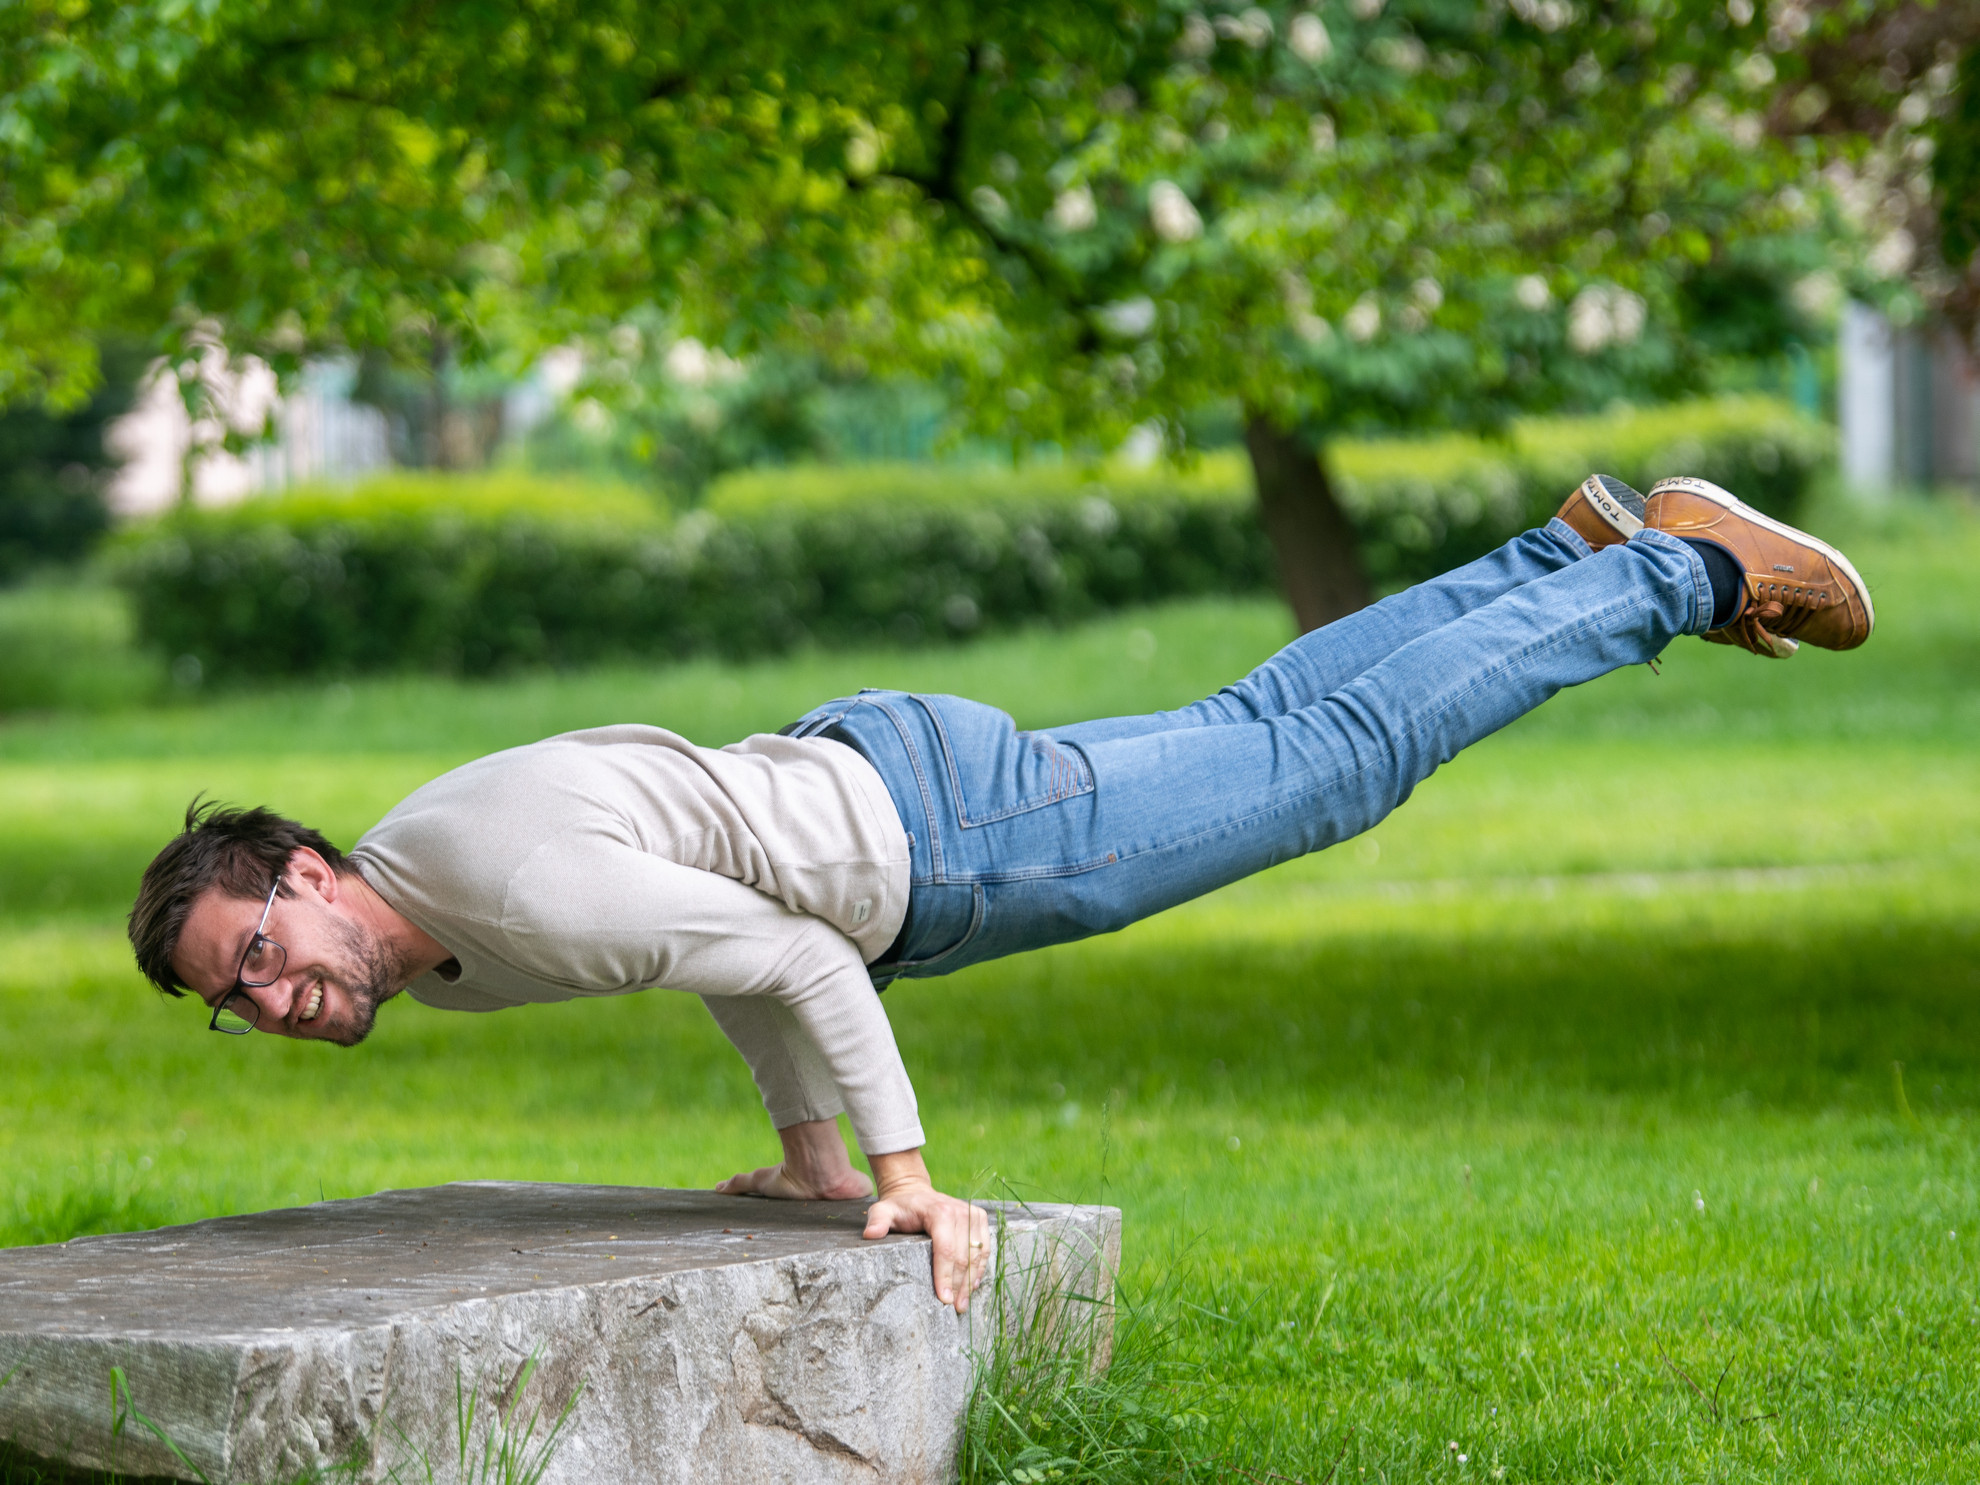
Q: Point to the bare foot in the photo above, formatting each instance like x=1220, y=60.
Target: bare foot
x=775, y=1181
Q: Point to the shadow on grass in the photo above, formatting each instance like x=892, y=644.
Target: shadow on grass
x=1805, y=1010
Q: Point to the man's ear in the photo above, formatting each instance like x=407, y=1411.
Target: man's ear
x=309, y=872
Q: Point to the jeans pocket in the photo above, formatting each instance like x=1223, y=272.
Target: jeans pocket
x=943, y=920
x=996, y=771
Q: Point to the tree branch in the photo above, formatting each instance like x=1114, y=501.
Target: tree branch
x=943, y=184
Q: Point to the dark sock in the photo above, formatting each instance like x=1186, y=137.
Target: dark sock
x=1724, y=575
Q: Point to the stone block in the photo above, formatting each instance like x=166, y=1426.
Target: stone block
x=681, y=1336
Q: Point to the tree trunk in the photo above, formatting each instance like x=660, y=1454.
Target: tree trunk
x=438, y=413
x=1319, y=566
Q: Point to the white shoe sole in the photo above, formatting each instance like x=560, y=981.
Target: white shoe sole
x=1706, y=490
x=1596, y=495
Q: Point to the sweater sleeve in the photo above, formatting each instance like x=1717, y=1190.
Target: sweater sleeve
x=796, y=1085
x=595, y=913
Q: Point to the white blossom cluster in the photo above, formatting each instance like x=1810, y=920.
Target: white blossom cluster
x=1172, y=214
x=1603, y=315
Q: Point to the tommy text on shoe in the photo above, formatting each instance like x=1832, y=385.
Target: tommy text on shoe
x=1795, y=590
x=1603, y=511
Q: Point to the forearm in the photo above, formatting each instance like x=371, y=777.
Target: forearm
x=796, y=1085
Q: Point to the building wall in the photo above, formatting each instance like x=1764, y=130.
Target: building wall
x=1910, y=404
x=318, y=434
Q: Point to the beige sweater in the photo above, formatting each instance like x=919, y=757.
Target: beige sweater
x=763, y=877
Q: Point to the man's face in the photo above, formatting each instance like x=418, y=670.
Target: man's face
x=335, y=975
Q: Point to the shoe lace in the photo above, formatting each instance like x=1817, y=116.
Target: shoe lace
x=1757, y=628
x=1777, y=612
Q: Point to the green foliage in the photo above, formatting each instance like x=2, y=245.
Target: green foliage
x=1956, y=168
x=299, y=587
x=1413, y=214
x=52, y=468
x=70, y=645
x=475, y=575
x=1423, y=507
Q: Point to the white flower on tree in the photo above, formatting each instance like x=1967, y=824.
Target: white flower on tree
x=693, y=364
x=1603, y=315
x=1074, y=210
x=1629, y=313
x=1197, y=39
x=1893, y=255
x=1532, y=293
x=1364, y=320
x=1308, y=38
x=1129, y=318
x=1818, y=295
x=1173, y=214
x=1253, y=27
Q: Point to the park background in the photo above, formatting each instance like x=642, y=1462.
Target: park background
x=1605, y=1114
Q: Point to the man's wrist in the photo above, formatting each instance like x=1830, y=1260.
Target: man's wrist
x=899, y=1169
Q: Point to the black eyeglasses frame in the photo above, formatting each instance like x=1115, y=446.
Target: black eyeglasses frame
x=242, y=984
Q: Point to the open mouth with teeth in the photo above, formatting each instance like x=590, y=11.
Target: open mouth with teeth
x=312, y=1005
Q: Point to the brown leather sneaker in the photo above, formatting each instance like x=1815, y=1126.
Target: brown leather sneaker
x=1603, y=511
x=1797, y=589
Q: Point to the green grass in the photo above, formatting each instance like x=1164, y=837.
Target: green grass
x=68, y=645
x=1560, y=1119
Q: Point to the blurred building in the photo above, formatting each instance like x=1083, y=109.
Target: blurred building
x=317, y=432
x=1910, y=403
x=314, y=432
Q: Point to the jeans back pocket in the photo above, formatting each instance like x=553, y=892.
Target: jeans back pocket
x=996, y=771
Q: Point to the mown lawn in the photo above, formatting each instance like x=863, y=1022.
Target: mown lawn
x=1608, y=1114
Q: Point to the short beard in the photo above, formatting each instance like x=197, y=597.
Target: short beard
x=370, y=974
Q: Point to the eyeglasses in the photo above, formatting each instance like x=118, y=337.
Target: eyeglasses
x=262, y=963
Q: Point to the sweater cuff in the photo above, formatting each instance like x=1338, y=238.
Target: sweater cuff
x=805, y=1113
x=891, y=1142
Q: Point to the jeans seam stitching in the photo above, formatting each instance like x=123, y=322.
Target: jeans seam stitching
x=935, y=855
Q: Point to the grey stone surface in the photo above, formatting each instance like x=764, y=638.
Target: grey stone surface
x=704, y=1337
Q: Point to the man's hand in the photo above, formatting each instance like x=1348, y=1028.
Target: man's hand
x=960, y=1232
x=815, y=1167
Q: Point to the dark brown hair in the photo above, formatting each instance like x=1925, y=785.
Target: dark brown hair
x=241, y=852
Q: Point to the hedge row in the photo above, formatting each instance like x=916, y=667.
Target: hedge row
x=470, y=576
x=395, y=578
x=1424, y=506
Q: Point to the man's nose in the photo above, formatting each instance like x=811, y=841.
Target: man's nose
x=275, y=1000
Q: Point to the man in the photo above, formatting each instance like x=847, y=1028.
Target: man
x=890, y=835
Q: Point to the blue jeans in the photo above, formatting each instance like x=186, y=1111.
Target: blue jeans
x=1022, y=839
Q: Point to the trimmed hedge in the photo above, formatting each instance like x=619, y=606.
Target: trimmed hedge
x=473, y=575
x=1424, y=506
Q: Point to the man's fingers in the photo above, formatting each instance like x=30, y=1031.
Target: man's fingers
x=884, y=1217
x=977, y=1256
x=959, y=1239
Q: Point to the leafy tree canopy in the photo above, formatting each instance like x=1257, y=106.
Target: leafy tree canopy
x=1090, y=215
x=1113, y=207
